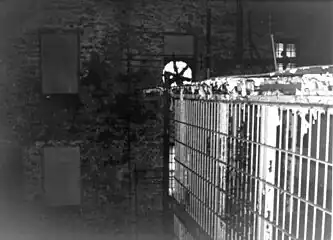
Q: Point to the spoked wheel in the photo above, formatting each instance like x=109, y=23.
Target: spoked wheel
x=177, y=72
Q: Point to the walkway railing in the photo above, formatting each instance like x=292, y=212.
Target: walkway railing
x=254, y=166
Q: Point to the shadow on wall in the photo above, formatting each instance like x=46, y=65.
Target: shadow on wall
x=11, y=174
x=17, y=16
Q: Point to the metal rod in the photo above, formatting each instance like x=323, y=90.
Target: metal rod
x=327, y=134
x=166, y=155
x=279, y=167
x=211, y=123
x=316, y=183
x=208, y=40
x=196, y=160
x=293, y=163
x=308, y=173
x=256, y=171
x=274, y=52
x=282, y=150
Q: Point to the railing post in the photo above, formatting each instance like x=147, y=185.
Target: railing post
x=269, y=123
x=166, y=146
x=182, y=148
x=222, y=128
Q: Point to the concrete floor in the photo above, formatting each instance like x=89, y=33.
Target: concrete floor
x=30, y=222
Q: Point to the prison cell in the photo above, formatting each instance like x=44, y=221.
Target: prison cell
x=254, y=169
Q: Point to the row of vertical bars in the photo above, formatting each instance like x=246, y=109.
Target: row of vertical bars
x=245, y=170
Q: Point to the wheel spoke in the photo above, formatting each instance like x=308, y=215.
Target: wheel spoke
x=184, y=70
x=175, y=68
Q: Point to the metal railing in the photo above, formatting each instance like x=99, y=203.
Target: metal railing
x=254, y=169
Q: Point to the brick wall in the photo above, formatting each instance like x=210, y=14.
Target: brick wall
x=105, y=26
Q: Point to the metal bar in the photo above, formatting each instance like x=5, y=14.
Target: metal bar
x=224, y=151
x=327, y=134
x=263, y=218
x=252, y=162
x=248, y=170
x=256, y=168
x=217, y=176
x=273, y=186
x=302, y=128
x=208, y=42
x=249, y=166
x=245, y=167
x=211, y=128
x=189, y=155
x=193, y=176
x=271, y=122
x=242, y=163
x=197, y=158
x=239, y=215
x=176, y=124
x=186, y=153
x=292, y=178
x=289, y=235
x=282, y=150
x=245, y=179
x=308, y=174
x=330, y=181
x=317, y=174
x=204, y=165
x=182, y=150
x=234, y=183
x=198, y=117
x=208, y=159
x=192, y=166
x=286, y=166
x=222, y=170
x=201, y=161
x=301, y=102
x=279, y=164
x=218, y=172
x=213, y=171
x=260, y=169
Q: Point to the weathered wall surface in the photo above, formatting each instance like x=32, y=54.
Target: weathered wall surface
x=307, y=21
x=109, y=28
x=104, y=26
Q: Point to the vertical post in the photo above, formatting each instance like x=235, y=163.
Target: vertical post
x=166, y=146
x=274, y=52
x=208, y=40
x=182, y=148
x=224, y=114
x=269, y=123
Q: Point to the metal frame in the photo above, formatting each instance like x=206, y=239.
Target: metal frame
x=255, y=169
